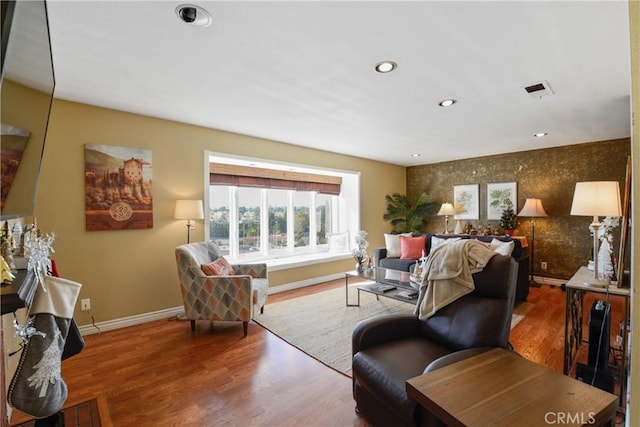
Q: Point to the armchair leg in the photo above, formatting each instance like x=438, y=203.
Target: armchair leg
x=245, y=326
x=193, y=326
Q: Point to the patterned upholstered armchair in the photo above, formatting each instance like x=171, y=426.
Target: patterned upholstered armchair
x=235, y=296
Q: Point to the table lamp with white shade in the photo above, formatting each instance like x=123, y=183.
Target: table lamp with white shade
x=189, y=210
x=446, y=209
x=596, y=198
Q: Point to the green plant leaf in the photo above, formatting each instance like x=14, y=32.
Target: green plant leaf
x=407, y=215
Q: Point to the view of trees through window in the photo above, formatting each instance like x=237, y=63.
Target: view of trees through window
x=278, y=202
x=245, y=220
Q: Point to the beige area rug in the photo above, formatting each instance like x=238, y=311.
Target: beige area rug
x=320, y=324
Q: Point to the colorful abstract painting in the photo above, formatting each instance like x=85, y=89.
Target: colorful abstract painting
x=118, y=188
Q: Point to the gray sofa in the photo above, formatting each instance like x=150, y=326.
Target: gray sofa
x=380, y=259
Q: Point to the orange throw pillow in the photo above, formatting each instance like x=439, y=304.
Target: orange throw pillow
x=412, y=247
x=219, y=267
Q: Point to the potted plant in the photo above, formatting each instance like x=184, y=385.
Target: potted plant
x=509, y=220
x=408, y=215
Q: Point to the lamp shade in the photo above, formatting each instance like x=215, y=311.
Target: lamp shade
x=447, y=209
x=189, y=209
x=533, y=208
x=596, y=198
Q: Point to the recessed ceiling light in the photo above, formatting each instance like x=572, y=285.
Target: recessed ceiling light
x=193, y=15
x=386, y=67
x=416, y=155
x=447, y=102
x=540, y=134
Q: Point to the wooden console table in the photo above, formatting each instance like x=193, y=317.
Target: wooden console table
x=574, y=317
x=501, y=388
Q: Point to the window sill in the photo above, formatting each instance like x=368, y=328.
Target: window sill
x=284, y=263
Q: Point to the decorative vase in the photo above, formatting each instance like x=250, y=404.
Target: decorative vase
x=458, y=229
x=605, y=264
x=508, y=233
x=361, y=261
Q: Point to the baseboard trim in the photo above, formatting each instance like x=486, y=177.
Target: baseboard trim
x=549, y=280
x=124, y=322
x=138, y=319
x=178, y=311
x=305, y=283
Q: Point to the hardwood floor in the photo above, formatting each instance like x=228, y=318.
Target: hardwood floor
x=160, y=374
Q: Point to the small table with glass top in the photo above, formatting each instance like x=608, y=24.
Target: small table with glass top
x=388, y=283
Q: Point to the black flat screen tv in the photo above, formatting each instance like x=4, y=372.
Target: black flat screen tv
x=26, y=90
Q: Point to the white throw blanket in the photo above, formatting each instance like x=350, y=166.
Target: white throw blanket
x=448, y=274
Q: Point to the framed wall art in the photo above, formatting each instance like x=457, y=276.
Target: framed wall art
x=499, y=197
x=466, y=201
x=118, y=188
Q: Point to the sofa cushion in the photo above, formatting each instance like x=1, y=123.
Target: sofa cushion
x=412, y=247
x=392, y=243
x=397, y=263
x=503, y=248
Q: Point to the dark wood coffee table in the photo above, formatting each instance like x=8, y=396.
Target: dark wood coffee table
x=387, y=283
x=501, y=388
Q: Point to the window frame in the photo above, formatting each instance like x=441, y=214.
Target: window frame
x=345, y=215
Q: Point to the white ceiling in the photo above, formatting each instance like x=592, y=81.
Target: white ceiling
x=301, y=72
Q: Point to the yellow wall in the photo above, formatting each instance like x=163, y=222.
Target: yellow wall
x=132, y=272
x=633, y=412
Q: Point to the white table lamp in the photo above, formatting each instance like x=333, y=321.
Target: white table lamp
x=596, y=198
x=446, y=209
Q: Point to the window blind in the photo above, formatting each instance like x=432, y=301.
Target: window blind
x=246, y=176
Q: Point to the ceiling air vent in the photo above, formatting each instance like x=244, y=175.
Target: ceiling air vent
x=539, y=89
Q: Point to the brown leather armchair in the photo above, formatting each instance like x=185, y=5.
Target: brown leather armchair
x=389, y=350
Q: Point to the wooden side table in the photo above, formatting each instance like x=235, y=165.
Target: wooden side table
x=501, y=388
x=574, y=315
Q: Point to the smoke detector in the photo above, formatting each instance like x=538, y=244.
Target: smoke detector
x=539, y=89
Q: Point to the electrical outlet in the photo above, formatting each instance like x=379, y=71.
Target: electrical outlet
x=85, y=304
x=543, y=266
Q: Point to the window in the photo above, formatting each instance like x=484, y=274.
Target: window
x=301, y=202
x=323, y=218
x=219, y=217
x=278, y=213
x=278, y=210
x=248, y=219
